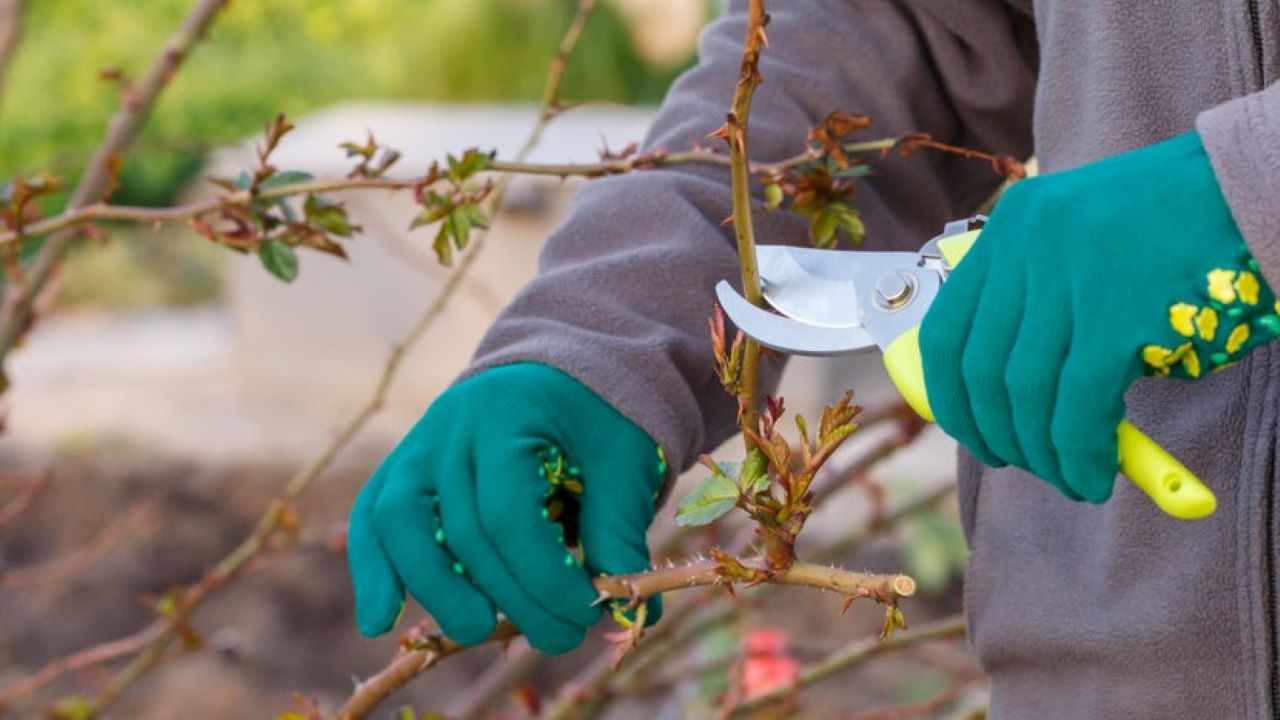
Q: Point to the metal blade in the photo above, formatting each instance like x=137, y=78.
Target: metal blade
x=824, y=287
x=794, y=337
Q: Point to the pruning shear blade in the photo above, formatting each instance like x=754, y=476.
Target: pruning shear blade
x=790, y=336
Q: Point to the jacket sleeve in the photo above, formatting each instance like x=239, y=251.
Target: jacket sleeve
x=625, y=285
x=1242, y=137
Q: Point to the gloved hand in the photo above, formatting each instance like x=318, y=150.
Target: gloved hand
x=463, y=513
x=1081, y=282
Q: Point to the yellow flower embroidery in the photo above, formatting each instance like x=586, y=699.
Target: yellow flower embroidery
x=1207, y=323
x=1247, y=287
x=1220, y=285
x=1180, y=317
x=1191, y=364
x=1155, y=356
x=1162, y=358
x=1237, y=337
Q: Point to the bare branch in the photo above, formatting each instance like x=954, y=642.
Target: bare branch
x=87, y=658
x=84, y=557
x=428, y=652
x=734, y=132
x=885, y=588
x=121, y=132
x=589, y=693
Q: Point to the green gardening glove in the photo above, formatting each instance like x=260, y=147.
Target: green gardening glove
x=478, y=508
x=1080, y=283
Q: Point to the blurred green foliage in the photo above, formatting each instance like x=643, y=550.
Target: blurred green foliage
x=290, y=56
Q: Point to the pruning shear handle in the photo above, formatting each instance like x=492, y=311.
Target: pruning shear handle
x=1174, y=489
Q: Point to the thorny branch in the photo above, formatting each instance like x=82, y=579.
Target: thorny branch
x=669, y=637
x=81, y=559
x=121, y=131
x=734, y=131
x=80, y=660
x=617, y=165
x=595, y=685
x=423, y=652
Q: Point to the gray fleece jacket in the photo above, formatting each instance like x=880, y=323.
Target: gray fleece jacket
x=1076, y=611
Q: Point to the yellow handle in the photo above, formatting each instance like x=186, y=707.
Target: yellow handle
x=1172, y=487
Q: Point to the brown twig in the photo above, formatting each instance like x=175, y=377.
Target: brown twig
x=734, y=132
x=884, y=588
x=650, y=653
x=79, y=216
x=369, y=693
x=587, y=695
x=279, y=510
x=549, y=105
x=121, y=132
x=409, y=664
x=1009, y=167
x=82, y=558
x=18, y=504
x=497, y=681
x=597, y=682
x=89, y=657
x=76, y=217
x=854, y=654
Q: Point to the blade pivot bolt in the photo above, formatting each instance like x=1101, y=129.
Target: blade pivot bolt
x=894, y=290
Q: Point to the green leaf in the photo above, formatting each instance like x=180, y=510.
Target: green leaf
x=822, y=229
x=471, y=162
x=288, y=177
x=73, y=708
x=755, y=473
x=713, y=497
x=442, y=246
x=279, y=259
x=475, y=216
x=243, y=180
x=428, y=216
x=851, y=222
x=772, y=196
x=459, y=227
x=329, y=215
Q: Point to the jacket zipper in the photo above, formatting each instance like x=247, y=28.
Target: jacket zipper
x=1269, y=514
x=1255, y=28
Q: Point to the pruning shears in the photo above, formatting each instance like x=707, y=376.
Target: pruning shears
x=847, y=302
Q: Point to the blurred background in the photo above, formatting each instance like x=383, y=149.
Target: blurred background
x=178, y=386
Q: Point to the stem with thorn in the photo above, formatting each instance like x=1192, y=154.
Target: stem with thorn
x=735, y=132
x=426, y=653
